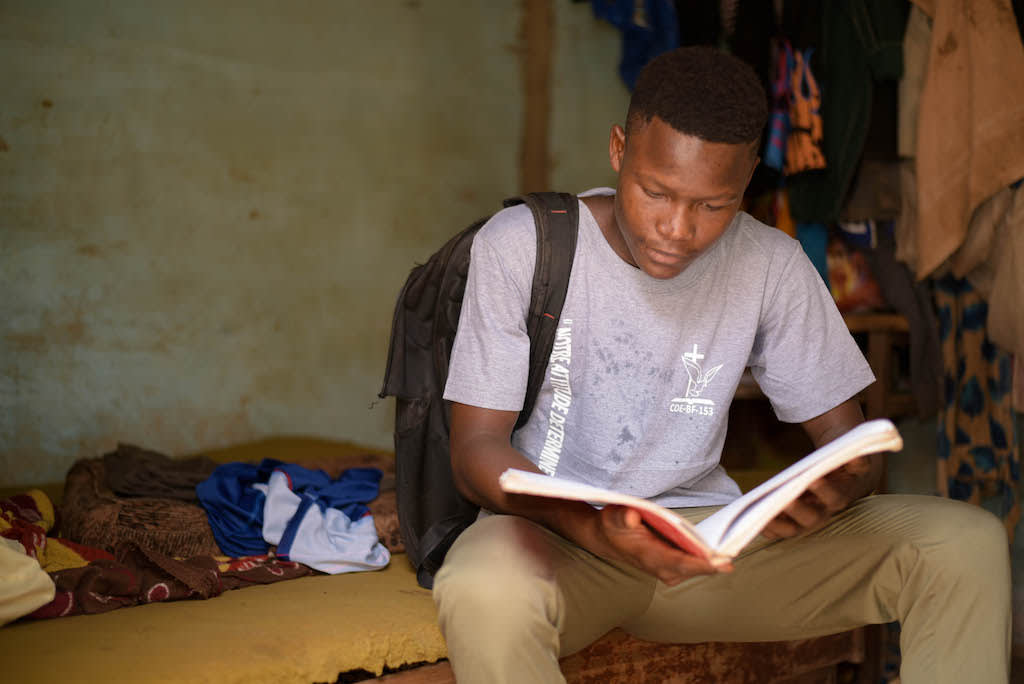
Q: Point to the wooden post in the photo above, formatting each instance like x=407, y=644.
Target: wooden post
x=536, y=39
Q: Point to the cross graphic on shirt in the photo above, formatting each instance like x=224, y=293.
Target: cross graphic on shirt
x=693, y=356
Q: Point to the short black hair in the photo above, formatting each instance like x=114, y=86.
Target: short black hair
x=701, y=91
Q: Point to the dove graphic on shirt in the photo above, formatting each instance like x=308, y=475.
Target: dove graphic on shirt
x=698, y=382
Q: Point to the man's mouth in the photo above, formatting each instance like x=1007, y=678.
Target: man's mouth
x=663, y=257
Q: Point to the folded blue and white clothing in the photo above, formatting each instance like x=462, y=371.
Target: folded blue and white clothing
x=323, y=523
x=314, y=520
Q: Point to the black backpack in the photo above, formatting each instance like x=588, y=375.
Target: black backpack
x=431, y=512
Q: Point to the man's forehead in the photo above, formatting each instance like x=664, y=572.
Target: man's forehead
x=660, y=146
x=641, y=128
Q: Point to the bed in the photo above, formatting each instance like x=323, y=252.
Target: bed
x=350, y=627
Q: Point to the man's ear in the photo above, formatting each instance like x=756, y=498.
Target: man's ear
x=616, y=147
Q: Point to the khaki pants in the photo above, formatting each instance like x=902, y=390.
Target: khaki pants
x=514, y=597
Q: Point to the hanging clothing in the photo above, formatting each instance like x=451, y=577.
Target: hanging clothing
x=992, y=258
x=813, y=238
x=876, y=194
x=862, y=42
x=649, y=28
x=917, y=40
x=774, y=155
x=803, y=143
x=979, y=457
x=905, y=225
x=970, y=139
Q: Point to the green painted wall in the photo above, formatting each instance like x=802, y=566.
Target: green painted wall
x=207, y=209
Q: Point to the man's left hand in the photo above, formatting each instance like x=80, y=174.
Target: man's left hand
x=837, y=490
x=823, y=499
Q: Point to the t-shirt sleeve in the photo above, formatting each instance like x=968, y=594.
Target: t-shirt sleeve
x=804, y=357
x=490, y=357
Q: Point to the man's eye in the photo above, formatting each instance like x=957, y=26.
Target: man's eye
x=653, y=195
x=713, y=207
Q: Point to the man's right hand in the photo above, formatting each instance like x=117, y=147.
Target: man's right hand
x=621, y=535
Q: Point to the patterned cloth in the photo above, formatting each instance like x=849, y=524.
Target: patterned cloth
x=28, y=518
x=979, y=456
x=142, y=575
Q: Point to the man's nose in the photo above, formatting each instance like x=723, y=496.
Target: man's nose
x=676, y=223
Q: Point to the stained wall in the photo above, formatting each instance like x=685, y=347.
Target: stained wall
x=207, y=209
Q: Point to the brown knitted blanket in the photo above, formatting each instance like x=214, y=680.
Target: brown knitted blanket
x=92, y=514
x=134, y=471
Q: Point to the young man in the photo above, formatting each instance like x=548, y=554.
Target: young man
x=673, y=293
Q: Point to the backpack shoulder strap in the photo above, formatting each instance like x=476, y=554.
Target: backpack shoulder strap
x=556, y=216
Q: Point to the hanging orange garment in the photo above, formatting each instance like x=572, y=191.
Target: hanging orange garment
x=970, y=128
x=806, y=132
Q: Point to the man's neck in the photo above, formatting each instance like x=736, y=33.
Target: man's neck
x=603, y=209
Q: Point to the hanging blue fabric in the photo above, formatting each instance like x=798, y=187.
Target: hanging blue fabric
x=813, y=238
x=647, y=31
x=778, y=127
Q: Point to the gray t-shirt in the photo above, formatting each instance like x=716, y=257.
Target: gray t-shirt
x=637, y=391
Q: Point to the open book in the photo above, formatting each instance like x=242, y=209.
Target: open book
x=721, y=537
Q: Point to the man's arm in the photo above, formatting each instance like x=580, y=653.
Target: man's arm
x=838, y=489
x=481, y=450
